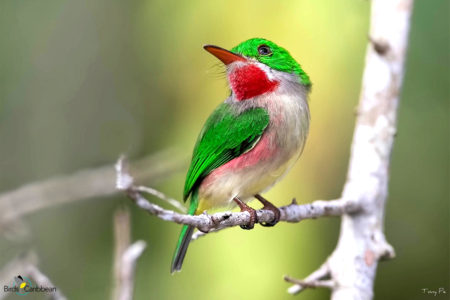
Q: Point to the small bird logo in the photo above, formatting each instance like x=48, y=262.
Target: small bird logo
x=22, y=283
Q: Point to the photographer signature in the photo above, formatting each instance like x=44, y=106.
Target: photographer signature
x=434, y=292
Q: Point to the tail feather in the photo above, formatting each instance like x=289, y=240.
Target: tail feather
x=180, y=251
x=185, y=237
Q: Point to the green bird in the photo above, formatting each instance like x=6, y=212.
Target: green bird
x=253, y=138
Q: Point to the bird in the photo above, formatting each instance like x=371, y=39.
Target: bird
x=252, y=139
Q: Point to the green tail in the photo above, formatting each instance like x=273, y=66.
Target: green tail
x=185, y=237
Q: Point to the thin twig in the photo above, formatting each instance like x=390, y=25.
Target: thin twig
x=329, y=284
x=204, y=222
x=198, y=234
x=81, y=185
x=323, y=272
x=125, y=180
x=151, y=191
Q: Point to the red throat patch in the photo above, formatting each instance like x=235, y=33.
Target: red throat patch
x=249, y=81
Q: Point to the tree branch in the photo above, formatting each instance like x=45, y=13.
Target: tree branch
x=352, y=265
x=84, y=184
x=314, y=280
x=125, y=256
x=291, y=213
x=310, y=283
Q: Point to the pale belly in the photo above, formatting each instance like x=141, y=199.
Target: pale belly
x=252, y=173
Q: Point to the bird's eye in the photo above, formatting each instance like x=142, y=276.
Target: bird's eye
x=264, y=50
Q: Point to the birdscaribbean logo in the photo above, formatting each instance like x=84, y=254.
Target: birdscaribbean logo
x=23, y=286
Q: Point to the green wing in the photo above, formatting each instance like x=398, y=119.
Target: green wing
x=226, y=135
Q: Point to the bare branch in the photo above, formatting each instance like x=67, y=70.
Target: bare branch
x=125, y=256
x=89, y=183
x=198, y=234
x=42, y=280
x=151, y=191
x=352, y=266
x=128, y=261
x=124, y=180
x=314, y=280
x=121, y=243
x=206, y=223
x=329, y=284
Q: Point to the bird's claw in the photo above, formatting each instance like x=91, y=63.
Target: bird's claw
x=252, y=221
x=251, y=211
x=272, y=208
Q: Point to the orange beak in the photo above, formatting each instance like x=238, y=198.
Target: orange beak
x=227, y=57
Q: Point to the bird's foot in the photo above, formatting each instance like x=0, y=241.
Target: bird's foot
x=251, y=211
x=271, y=207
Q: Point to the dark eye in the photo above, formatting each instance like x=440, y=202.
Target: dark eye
x=264, y=50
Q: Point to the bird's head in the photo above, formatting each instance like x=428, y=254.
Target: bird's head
x=257, y=66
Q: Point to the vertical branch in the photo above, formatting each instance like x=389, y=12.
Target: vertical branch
x=350, y=270
x=362, y=242
x=121, y=243
x=125, y=256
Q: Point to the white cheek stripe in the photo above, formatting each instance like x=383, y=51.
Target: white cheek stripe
x=269, y=72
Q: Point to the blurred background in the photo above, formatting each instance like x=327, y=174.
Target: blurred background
x=83, y=81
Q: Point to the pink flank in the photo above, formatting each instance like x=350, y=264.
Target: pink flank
x=250, y=81
x=265, y=149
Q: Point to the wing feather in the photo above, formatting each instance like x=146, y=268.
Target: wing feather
x=225, y=136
